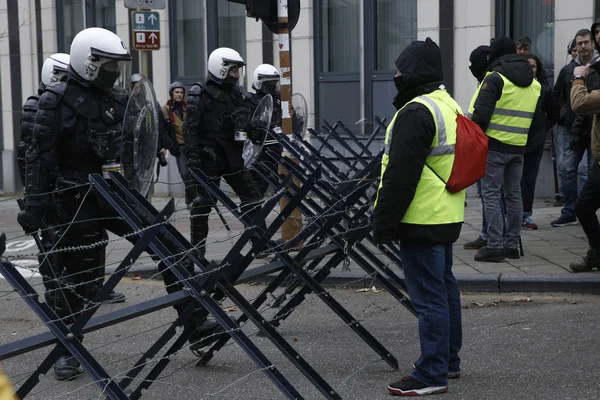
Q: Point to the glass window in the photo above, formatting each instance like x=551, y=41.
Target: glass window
x=395, y=28
x=232, y=27
x=535, y=19
x=188, y=40
x=340, y=31
x=101, y=13
x=70, y=17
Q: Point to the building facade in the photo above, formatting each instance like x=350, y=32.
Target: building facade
x=343, y=51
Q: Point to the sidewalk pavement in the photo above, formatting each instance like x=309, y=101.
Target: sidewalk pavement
x=545, y=266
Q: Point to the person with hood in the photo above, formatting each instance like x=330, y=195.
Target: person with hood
x=480, y=62
x=414, y=207
x=586, y=102
x=504, y=106
x=569, y=157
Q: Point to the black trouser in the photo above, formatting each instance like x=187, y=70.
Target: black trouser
x=531, y=166
x=215, y=166
x=75, y=276
x=269, y=159
x=83, y=221
x=587, y=204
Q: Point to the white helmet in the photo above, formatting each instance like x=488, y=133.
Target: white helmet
x=264, y=73
x=97, y=56
x=55, y=68
x=221, y=61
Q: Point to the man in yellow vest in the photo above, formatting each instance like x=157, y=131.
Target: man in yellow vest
x=414, y=207
x=504, y=106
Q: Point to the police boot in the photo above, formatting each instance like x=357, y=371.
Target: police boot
x=115, y=297
x=204, y=335
x=67, y=368
x=589, y=262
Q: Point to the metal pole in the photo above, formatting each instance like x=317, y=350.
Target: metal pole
x=293, y=225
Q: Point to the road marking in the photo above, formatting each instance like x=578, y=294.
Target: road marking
x=18, y=245
x=27, y=268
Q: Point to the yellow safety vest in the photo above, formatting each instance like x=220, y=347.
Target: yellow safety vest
x=433, y=204
x=513, y=113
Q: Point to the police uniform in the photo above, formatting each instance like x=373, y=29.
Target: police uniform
x=214, y=113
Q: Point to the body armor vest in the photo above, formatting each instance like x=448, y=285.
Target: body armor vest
x=93, y=129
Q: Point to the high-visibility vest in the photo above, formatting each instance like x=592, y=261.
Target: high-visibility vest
x=513, y=113
x=432, y=203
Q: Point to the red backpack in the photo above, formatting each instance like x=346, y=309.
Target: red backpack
x=470, y=155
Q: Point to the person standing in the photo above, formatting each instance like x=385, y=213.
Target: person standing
x=414, y=207
x=504, y=106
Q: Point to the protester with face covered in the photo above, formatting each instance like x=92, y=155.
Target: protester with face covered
x=414, y=207
x=504, y=106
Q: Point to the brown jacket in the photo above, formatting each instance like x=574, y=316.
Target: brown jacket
x=585, y=103
x=174, y=119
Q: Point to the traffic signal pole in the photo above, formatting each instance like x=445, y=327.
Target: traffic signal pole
x=293, y=225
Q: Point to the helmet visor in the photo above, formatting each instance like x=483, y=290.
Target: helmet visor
x=271, y=87
x=114, y=73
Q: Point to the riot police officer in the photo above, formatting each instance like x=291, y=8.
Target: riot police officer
x=265, y=81
x=76, y=130
x=215, y=114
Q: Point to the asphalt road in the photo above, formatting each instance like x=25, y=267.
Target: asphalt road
x=516, y=346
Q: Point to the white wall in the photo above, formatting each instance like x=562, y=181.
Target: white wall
x=473, y=26
x=571, y=16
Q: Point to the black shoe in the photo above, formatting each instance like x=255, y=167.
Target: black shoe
x=589, y=262
x=490, y=255
x=205, y=335
x=409, y=386
x=450, y=375
x=564, y=220
x=115, y=297
x=67, y=368
x=475, y=244
x=513, y=254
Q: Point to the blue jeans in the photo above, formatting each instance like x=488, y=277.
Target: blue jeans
x=484, y=225
x=503, y=173
x=570, y=167
x=435, y=295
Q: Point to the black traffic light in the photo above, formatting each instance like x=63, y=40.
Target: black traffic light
x=266, y=11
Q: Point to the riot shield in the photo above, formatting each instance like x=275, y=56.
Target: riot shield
x=140, y=136
x=262, y=116
x=299, y=114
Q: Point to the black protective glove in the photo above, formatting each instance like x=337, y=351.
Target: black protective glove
x=257, y=132
x=194, y=162
x=31, y=219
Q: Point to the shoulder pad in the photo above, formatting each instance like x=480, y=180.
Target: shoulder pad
x=196, y=89
x=52, y=96
x=31, y=104
x=75, y=97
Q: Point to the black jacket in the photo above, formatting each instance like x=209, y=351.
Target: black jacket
x=540, y=126
x=562, y=93
x=517, y=70
x=410, y=142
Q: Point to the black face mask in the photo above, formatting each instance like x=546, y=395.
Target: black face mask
x=106, y=79
x=399, y=82
x=270, y=87
x=230, y=81
x=402, y=97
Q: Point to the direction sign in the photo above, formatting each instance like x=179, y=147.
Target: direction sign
x=146, y=30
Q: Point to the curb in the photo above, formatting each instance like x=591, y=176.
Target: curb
x=575, y=283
